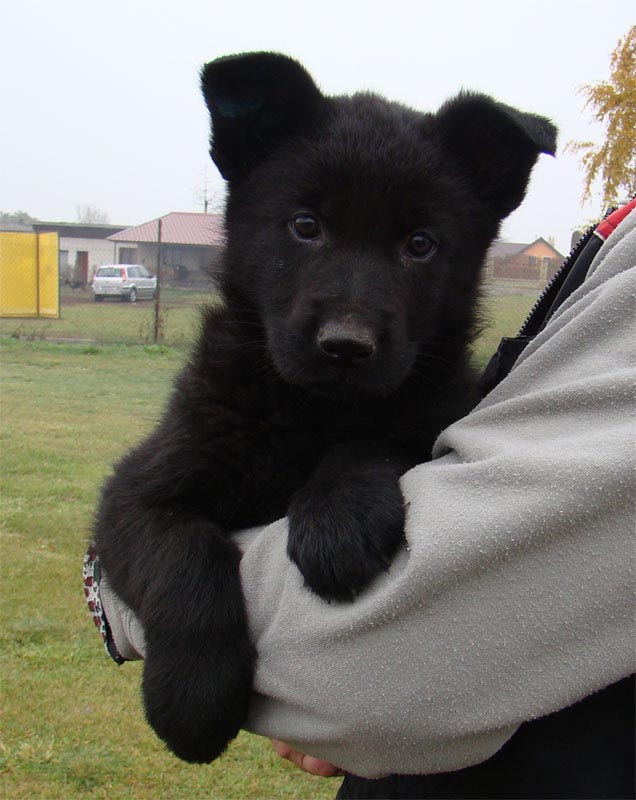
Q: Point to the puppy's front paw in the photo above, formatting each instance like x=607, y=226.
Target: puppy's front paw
x=196, y=694
x=341, y=539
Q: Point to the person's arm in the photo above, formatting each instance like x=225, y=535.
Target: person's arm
x=514, y=597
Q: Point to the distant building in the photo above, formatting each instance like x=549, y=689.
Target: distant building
x=83, y=248
x=191, y=247
x=533, y=263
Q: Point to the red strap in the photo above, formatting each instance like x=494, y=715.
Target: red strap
x=608, y=225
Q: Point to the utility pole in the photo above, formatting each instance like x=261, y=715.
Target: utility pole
x=158, y=291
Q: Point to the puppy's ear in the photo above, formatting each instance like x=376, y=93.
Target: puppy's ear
x=497, y=143
x=254, y=99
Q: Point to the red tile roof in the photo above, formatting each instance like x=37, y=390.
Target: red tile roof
x=178, y=227
x=501, y=249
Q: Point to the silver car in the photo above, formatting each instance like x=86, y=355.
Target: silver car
x=129, y=282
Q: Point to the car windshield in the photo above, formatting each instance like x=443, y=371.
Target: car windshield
x=109, y=272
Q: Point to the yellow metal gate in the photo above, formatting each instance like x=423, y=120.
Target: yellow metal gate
x=29, y=275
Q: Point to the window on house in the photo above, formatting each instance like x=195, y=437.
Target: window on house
x=127, y=255
x=173, y=256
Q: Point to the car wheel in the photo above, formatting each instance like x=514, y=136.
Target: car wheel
x=98, y=298
x=132, y=297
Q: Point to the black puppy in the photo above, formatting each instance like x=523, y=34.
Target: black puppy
x=356, y=229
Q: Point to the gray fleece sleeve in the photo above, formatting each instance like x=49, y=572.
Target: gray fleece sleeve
x=513, y=596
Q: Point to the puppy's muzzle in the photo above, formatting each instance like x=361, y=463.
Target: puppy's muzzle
x=346, y=342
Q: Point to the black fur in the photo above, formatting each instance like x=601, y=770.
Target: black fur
x=330, y=369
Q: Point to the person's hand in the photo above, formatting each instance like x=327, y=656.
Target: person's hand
x=314, y=766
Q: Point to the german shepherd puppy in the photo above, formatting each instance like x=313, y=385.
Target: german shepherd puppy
x=356, y=230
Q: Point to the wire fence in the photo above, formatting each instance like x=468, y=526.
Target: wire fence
x=167, y=311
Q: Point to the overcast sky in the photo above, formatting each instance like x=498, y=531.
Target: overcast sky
x=101, y=104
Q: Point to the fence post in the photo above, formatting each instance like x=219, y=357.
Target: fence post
x=158, y=292
x=37, y=275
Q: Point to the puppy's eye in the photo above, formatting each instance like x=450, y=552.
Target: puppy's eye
x=421, y=246
x=305, y=226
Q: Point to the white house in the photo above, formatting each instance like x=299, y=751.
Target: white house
x=83, y=248
x=190, y=248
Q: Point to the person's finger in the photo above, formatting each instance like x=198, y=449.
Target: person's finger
x=314, y=766
x=282, y=749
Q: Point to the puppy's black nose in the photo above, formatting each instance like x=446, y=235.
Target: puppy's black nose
x=346, y=342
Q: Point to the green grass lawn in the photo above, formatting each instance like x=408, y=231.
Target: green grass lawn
x=72, y=721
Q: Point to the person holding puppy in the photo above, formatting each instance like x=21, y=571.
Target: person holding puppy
x=493, y=658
